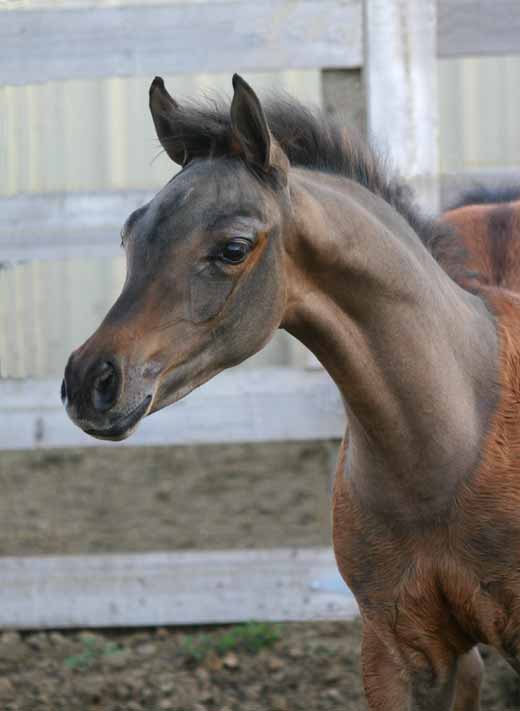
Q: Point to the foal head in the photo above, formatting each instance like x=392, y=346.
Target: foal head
x=205, y=286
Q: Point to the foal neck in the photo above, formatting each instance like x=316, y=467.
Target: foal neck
x=413, y=355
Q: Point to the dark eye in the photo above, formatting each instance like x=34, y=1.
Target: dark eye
x=235, y=251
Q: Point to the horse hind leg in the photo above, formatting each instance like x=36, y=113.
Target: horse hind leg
x=461, y=681
x=399, y=682
x=431, y=690
x=410, y=680
x=386, y=684
x=470, y=672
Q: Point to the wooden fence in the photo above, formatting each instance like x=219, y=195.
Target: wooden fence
x=396, y=43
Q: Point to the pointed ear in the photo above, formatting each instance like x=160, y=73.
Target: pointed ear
x=250, y=129
x=164, y=110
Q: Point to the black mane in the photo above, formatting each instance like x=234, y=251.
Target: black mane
x=315, y=141
x=486, y=195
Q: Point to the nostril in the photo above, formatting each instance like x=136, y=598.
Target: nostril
x=105, y=387
x=69, y=384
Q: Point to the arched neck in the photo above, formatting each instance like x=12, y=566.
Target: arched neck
x=413, y=355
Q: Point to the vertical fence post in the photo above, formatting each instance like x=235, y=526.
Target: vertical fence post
x=400, y=70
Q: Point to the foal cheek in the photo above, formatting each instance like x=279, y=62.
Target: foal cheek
x=207, y=296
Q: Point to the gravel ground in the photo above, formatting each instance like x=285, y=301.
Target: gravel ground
x=289, y=667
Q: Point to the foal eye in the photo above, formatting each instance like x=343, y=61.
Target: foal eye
x=234, y=251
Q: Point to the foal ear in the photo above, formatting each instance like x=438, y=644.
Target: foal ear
x=251, y=133
x=164, y=110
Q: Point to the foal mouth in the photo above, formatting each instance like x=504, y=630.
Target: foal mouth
x=122, y=427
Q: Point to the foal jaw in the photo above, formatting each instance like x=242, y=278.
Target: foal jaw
x=125, y=425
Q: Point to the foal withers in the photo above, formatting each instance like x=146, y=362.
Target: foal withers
x=279, y=219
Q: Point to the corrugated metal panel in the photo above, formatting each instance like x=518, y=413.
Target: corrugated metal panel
x=48, y=308
x=95, y=135
x=82, y=135
x=479, y=113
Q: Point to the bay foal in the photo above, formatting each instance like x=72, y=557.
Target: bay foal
x=280, y=220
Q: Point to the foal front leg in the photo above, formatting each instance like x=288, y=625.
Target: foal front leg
x=405, y=680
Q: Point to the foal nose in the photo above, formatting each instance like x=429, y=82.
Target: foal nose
x=105, y=384
x=99, y=389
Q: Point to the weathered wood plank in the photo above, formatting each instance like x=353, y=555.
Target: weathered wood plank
x=43, y=45
x=269, y=404
x=453, y=187
x=60, y=225
x=478, y=27
x=182, y=588
x=188, y=37
x=401, y=77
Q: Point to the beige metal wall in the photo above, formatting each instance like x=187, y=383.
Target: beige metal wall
x=479, y=113
x=98, y=135
x=86, y=135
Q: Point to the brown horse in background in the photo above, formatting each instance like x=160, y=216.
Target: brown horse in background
x=488, y=224
x=279, y=219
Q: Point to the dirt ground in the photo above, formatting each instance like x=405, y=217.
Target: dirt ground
x=145, y=499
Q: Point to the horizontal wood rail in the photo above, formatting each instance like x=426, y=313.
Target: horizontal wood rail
x=190, y=37
x=477, y=27
x=62, y=225
x=179, y=588
x=268, y=404
x=184, y=38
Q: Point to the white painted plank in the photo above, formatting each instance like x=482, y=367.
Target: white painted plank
x=453, y=187
x=478, y=27
x=189, y=37
x=401, y=74
x=181, y=588
x=43, y=45
x=269, y=404
x=62, y=225
x=59, y=225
